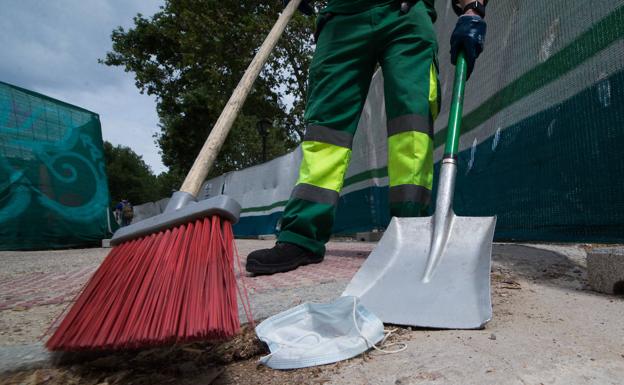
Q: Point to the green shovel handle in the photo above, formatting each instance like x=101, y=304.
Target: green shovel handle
x=457, y=103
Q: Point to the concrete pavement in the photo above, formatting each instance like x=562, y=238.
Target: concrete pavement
x=548, y=327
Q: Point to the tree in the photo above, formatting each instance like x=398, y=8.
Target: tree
x=128, y=176
x=168, y=182
x=192, y=54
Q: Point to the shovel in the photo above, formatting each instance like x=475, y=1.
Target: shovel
x=433, y=271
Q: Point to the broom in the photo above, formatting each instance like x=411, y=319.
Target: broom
x=170, y=278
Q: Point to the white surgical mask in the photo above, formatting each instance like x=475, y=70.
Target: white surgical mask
x=316, y=334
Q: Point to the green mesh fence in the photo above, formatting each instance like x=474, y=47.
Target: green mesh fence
x=53, y=185
x=544, y=119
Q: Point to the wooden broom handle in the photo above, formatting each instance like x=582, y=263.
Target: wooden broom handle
x=208, y=154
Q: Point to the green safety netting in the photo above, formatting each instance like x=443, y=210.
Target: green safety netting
x=53, y=185
x=541, y=139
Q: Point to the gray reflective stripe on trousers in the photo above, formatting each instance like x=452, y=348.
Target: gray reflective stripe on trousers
x=409, y=193
x=315, y=194
x=412, y=122
x=328, y=135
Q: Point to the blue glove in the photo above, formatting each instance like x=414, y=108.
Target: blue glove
x=469, y=36
x=304, y=7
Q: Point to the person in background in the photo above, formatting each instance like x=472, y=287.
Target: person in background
x=117, y=212
x=124, y=212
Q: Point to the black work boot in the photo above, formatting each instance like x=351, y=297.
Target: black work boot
x=282, y=257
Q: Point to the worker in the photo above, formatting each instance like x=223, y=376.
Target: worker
x=352, y=37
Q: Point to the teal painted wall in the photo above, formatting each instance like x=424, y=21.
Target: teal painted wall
x=53, y=184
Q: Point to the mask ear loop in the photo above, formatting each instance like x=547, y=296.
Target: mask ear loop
x=388, y=333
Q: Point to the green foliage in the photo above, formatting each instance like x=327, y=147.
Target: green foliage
x=168, y=182
x=192, y=54
x=128, y=176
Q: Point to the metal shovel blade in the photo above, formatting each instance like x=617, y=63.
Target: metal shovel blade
x=433, y=271
x=392, y=283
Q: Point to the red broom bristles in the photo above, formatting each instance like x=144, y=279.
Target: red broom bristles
x=174, y=286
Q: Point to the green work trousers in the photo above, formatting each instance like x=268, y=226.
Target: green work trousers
x=347, y=52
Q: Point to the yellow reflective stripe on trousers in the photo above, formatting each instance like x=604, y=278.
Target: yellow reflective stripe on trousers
x=324, y=165
x=433, y=92
x=410, y=159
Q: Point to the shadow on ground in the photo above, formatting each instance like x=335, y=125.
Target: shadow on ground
x=193, y=363
x=542, y=266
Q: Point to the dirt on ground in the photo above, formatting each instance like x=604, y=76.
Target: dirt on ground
x=547, y=327
x=231, y=362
